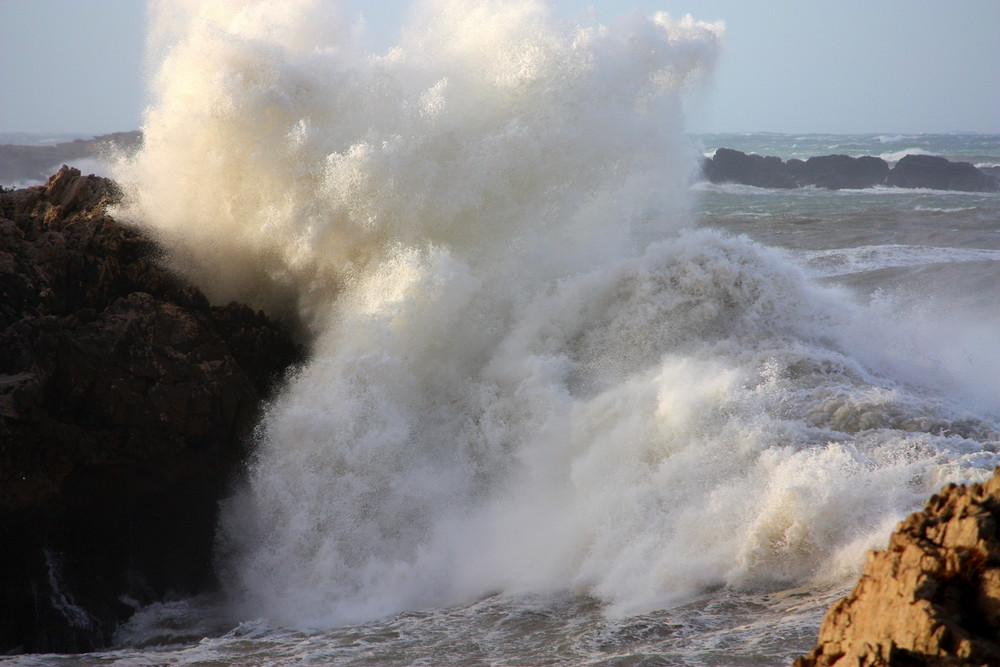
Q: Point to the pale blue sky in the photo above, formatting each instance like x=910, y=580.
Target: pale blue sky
x=786, y=66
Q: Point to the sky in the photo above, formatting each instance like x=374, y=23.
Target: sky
x=795, y=66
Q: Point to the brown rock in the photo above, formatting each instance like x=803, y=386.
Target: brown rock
x=932, y=597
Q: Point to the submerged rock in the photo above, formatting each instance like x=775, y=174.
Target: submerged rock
x=126, y=402
x=932, y=597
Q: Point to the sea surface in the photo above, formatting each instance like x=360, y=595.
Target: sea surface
x=565, y=405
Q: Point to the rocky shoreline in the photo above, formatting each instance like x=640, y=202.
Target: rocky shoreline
x=126, y=405
x=931, y=598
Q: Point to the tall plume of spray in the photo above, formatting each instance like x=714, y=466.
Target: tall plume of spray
x=525, y=373
x=278, y=153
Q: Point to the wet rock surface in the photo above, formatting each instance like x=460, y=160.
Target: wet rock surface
x=932, y=598
x=126, y=405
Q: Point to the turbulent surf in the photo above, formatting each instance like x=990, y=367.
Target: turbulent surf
x=532, y=371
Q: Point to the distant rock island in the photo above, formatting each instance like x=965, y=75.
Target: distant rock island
x=20, y=163
x=841, y=172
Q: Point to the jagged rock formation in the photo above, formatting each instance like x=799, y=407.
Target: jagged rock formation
x=126, y=401
x=837, y=172
x=932, y=598
x=20, y=163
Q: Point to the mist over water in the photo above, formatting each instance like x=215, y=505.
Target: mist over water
x=529, y=372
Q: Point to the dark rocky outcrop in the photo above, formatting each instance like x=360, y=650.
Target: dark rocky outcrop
x=731, y=166
x=937, y=173
x=838, y=172
x=126, y=402
x=20, y=163
x=932, y=598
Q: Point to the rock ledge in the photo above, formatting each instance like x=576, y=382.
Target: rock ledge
x=932, y=598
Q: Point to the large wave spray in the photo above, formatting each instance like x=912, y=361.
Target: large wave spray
x=525, y=374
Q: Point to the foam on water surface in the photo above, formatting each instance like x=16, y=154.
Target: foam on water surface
x=842, y=261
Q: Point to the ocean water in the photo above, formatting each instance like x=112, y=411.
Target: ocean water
x=564, y=405
x=88, y=165
x=979, y=149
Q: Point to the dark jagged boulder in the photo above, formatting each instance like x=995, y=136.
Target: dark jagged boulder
x=938, y=173
x=840, y=172
x=932, y=598
x=731, y=166
x=126, y=403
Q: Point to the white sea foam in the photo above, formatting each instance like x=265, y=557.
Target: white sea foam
x=525, y=374
x=737, y=188
x=938, y=209
x=843, y=261
x=895, y=156
x=902, y=192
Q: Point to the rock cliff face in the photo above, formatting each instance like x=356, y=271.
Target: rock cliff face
x=932, y=597
x=126, y=402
